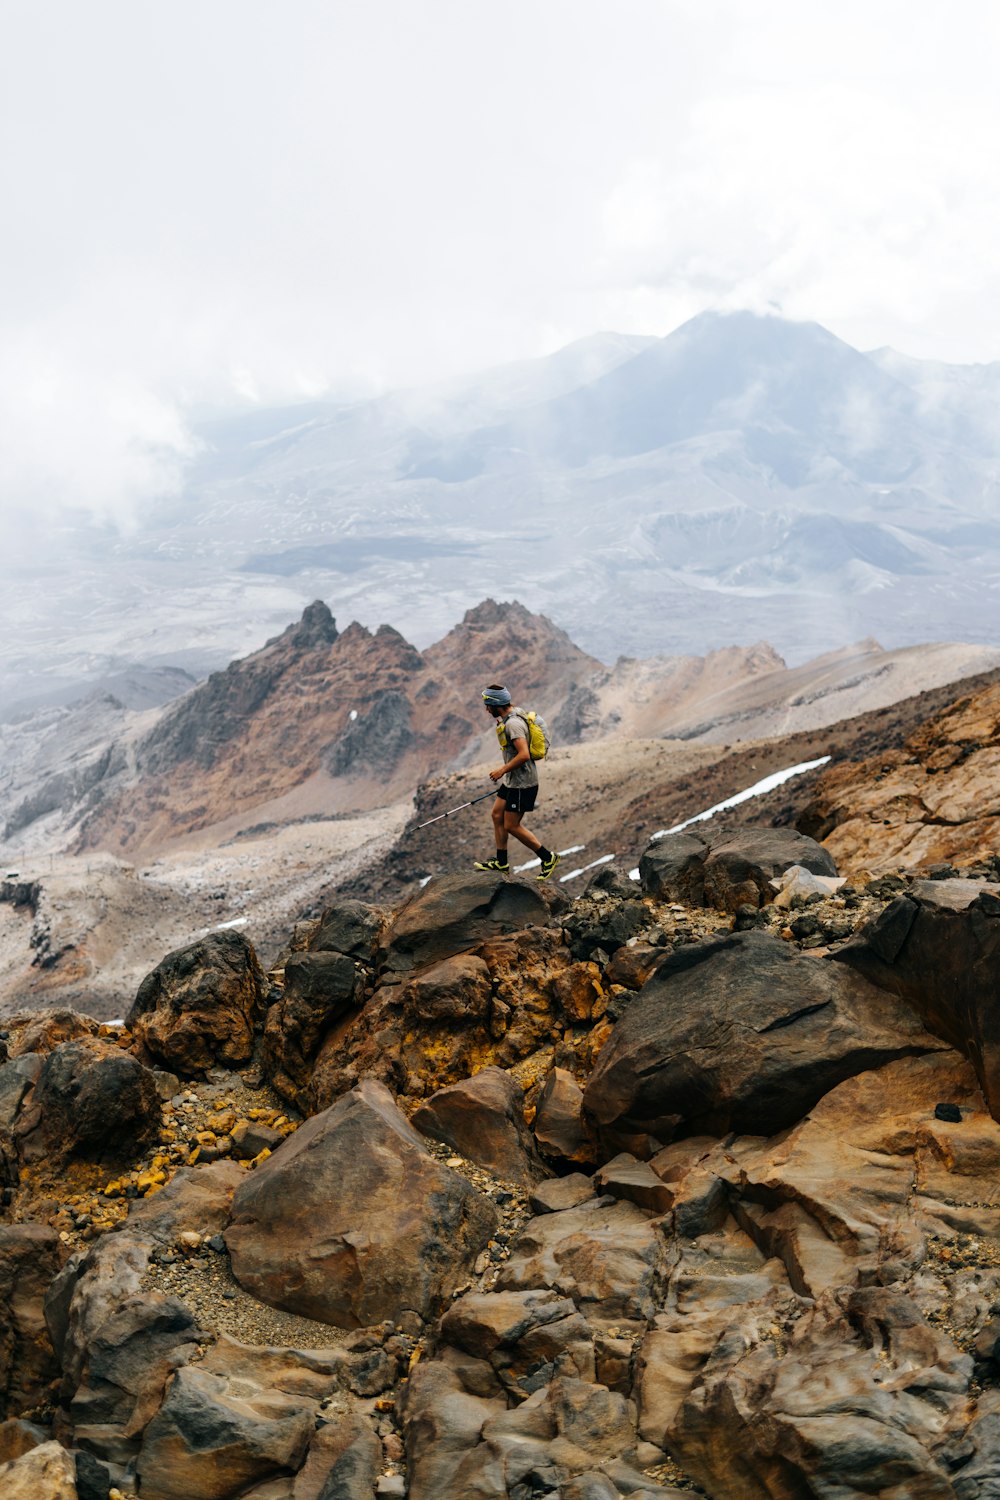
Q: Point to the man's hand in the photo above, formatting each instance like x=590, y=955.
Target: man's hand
x=500, y=772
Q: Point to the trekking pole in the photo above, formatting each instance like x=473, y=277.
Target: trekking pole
x=454, y=810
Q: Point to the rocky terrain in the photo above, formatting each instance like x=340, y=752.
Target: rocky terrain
x=684, y=1183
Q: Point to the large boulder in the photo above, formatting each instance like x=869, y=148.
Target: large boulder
x=854, y=1407
x=211, y=1440
x=91, y=1100
x=483, y=1119
x=319, y=988
x=740, y=1033
x=352, y=1220
x=350, y=927
x=30, y=1256
x=731, y=871
x=938, y=947
x=201, y=1005
x=455, y=913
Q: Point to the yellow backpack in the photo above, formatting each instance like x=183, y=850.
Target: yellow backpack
x=538, y=734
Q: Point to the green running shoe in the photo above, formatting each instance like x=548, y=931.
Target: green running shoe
x=548, y=865
x=492, y=864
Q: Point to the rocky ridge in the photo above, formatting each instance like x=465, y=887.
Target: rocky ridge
x=648, y=1192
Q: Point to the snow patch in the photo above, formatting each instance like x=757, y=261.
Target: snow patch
x=759, y=788
x=604, y=859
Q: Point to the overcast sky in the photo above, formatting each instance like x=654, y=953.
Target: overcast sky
x=214, y=201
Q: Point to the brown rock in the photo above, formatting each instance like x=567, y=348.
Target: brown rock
x=201, y=1004
x=351, y=1220
x=18, y=1436
x=30, y=1256
x=606, y=1256
x=935, y=800
x=938, y=947
x=632, y=965
x=559, y=1126
x=45, y=1473
x=41, y=1033
x=456, y=989
x=635, y=1181
x=212, y=1440
x=844, y=1406
x=561, y=1192
x=483, y=1119
x=579, y=993
x=250, y=1138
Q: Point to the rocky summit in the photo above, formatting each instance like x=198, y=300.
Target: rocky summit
x=688, y=1185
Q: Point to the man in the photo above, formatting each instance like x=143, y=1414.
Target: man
x=520, y=786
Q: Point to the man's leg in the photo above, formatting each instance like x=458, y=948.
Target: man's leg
x=498, y=814
x=512, y=826
x=500, y=835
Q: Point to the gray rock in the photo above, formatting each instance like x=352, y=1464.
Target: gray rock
x=740, y=1033
x=350, y=927
x=453, y=914
x=673, y=868
x=319, y=988
x=210, y=1440
x=730, y=871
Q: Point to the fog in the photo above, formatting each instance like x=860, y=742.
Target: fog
x=208, y=207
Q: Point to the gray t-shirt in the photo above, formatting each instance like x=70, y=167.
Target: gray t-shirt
x=526, y=774
x=516, y=729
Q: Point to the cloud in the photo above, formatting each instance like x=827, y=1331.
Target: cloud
x=221, y=204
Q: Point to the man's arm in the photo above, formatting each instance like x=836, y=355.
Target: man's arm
x=523, y=754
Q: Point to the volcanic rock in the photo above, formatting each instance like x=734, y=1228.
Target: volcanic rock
x=731, y=871
x=607, y=1256
x=456, y=913
x=201, y=1004
x=351, y=927
x=91, y=1100
x=351, y=1220
x=483, y=1118
x=211, y=1439
x=739, y=1033
x=318, y=989
x=30, y=1256
x=934, y=800
x=559, y=1126
x=938, y=947
x=44, y=1473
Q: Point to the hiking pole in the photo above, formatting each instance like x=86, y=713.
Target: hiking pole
x=454, y=810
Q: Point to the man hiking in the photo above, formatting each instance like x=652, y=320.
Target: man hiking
x=520, y=786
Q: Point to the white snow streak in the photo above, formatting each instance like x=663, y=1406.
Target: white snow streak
x=759, y=788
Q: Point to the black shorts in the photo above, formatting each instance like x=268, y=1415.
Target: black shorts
x=519, y=799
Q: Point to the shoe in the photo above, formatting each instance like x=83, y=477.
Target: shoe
x=491, y=864
x=548, y=865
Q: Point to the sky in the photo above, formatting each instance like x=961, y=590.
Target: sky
x=209, y=205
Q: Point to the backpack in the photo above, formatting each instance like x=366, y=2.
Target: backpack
x=538, y=734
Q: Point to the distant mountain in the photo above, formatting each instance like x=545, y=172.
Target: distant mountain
x=325, y=722
x=744, y=478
